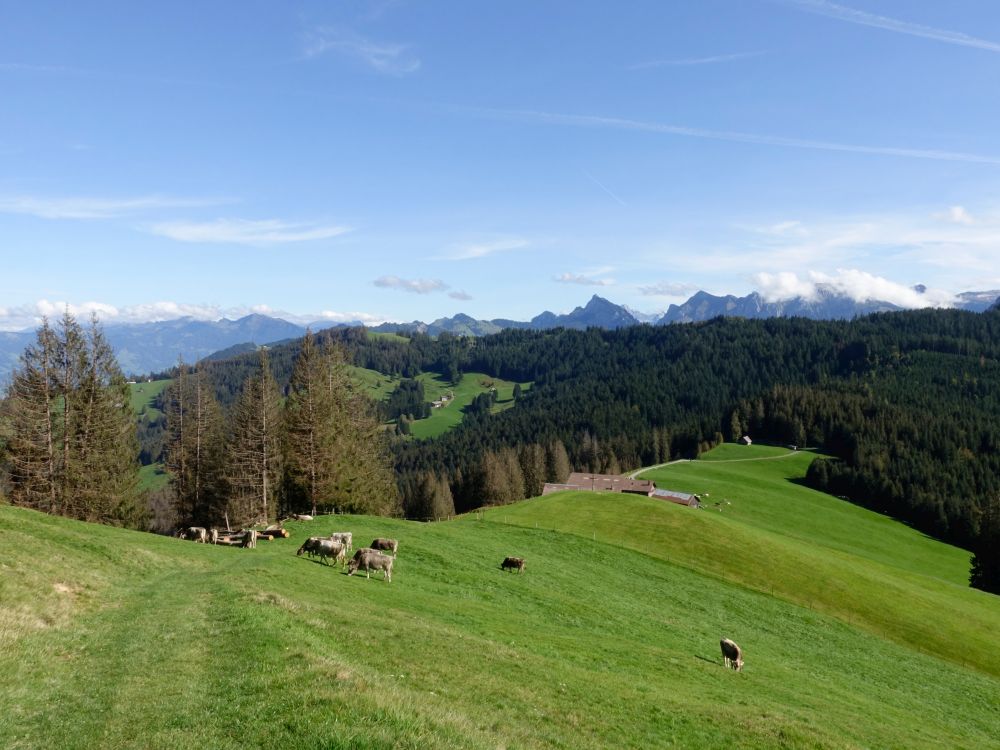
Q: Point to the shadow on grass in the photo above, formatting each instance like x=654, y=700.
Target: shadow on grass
x=710, y=661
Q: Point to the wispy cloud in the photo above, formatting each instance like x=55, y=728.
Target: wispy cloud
x=955, y=215
x=20, y=317
x=245, y=232
x=482, y=249
x=666, y=289
x=340, y=317
x=589, y=277
x=460, y=295
x=384, y=57
x=686, y=61
x=852, y=283
x=605, y=188
x=81, y=207
x=863, y=18
x=417, y=286
x=618, y=123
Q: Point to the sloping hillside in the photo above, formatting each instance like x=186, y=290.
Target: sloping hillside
x=120, y=639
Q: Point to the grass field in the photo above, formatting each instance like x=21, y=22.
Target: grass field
x=152, y=477
x=377, y=385
x=388, y=337
x=143, y=395
x=471, y=385
x=111, y=638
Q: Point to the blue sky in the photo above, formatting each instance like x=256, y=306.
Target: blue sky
x=402, y=160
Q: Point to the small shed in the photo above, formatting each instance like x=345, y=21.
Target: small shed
x=746, y=440
x=680, y=498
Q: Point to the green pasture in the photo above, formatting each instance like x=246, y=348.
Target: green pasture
x=465, y=391
x=375, y=384
x=142, y=396
x=388, y=337
x=112, y=638
x=152, y=477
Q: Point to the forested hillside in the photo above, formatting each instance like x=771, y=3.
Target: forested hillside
x=907, y=404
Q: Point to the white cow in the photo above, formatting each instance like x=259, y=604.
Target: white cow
x=732, y=655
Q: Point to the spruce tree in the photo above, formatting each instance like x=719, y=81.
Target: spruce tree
x=311, y=423
x=73, y=448
x=253, y=454
x=106, y=468
x=32, y=446
x=194, y=450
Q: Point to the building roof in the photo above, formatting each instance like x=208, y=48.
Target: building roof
x=609, y=483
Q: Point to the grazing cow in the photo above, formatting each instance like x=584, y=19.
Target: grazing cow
x=390, y=545
x=344, y=537
x=250, y=539
x=326, y=549
x=732, y=655
x=309, y=546
x=369, y=560
x=513, y=563
x=302, y=517
x=194, y=533
x=213, y=536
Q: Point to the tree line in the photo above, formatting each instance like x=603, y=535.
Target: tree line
x=316, y=444
x=68, y=439
x=906, y=404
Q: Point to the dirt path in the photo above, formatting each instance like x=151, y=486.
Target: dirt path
x=637, y=472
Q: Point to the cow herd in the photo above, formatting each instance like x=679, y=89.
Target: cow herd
x=381, y=555
x=337, y=545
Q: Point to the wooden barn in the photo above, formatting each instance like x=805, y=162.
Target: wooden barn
x=602, y=483
x=681, y=498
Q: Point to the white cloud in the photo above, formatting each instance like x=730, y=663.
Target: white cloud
x=459, y=295
x=95, y=208
x=417, y=286
x=30, y=315
x=384, y=57
x=863, y=18
x=482, y=249
x=583, y=279
x=246, y=232
x=666, y=289
x=619, y=123
x=857, y=285
x=346, y=317
x=955, y=215
x=687, y=61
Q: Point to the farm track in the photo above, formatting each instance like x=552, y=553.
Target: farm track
x=637, y=472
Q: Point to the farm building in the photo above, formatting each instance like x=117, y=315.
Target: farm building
x=746, y=440
x=602, y=483
x=681, y=498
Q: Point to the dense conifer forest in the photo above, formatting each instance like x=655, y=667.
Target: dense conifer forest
x=907, y=406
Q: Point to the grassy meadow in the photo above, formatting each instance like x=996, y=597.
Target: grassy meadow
x=112, y=638
x=465, y=391
x=143, y=395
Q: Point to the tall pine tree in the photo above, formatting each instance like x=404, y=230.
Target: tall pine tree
x=194, y=450
x=253, y=454
x=73, y=447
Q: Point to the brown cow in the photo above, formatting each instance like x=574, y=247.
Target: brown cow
x=326, y=549
x=369, y=560
x=385, y=544
x=344, y=537
x=513, y=563
x=732, y=655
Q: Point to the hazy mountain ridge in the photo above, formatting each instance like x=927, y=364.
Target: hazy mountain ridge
x=153, y=347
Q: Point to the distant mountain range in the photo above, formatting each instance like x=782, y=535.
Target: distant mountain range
x=153, y=347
